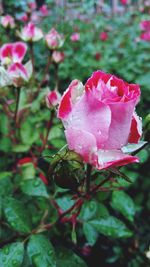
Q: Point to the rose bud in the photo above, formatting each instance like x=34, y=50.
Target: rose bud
x=54, y=39
x=32, y=5
x=103, y=36
x=145, y=36
x=58, y=56
x=12, y=52
x=24, y=18
x=31, y=33
x=44, y=10
x=19, y=73
x=97, y=56
x=124, y=2
x=75, y=37
x=8, y=22
x=52, y=99
x=145, y=25
x=100, y=119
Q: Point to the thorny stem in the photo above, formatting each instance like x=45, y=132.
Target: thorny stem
x=100, y=184
x=32, y=57
x=48, y=129
x=17, y=106
x=88, y=178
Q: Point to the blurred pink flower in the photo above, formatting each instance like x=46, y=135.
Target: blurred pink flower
x=54, y=39
x=8, y=22
x=58, y=56
x=100, y=119
x=103, y=36
x=44, y=10
x=145, y=36
x=145, y=25
x=31, y=33
x=53, y=99
x=32, y=5
x=124, y=2
x=12, y=52
x=23, y=18
x=75, y=37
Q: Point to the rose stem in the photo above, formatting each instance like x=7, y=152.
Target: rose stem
x=17, y=105
x=88, y=178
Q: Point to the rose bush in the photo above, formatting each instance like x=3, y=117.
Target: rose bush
x=100, y=120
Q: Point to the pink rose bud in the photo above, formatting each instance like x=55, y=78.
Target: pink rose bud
x=54, y=39
x=124, y=2
x=44, y=10
x=18, y=74
x=103, y=36
x=97, y=56
x=145, y=25
x=58, y=56
x=8, y=22
x=31, y=33
x=53, y=99
x=145, y=36
x=100, y=119
x=24, y=18
x=12, y=52
x=32, y=5
x=75, y=37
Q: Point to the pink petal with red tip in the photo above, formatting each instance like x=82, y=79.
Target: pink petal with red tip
x=135, y=130
x=19, y=51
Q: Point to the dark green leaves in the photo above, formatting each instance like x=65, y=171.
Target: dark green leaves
x=34, y=187
x=111, y=227
x=124, y=204
x=12, y=255
x=66, y=258
x=17, y=215
x=41, y=252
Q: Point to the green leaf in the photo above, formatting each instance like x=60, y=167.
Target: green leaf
x=66, y=258
x=12, y=255
x=41, y=251
x=4, y=124
x=6, y=186
x=111, y=227
x=34, y=187
x=17, y=215
x=93, y=209
x=124, y=204
x=65, y=202
x=28, y=171
x=28, y=136
x=90, y=233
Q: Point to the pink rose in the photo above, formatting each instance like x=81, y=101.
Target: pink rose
x=53, y=99
x=103, y=36
x=19, y=73
x=8, y=22
x=12, y=52
x=100, y=120
x=32, y=5
x=145, y=25
x=124, y=2
x=54, y=39
x=31, y=33
x=44, y=10
x=75, y=37
x=145, y=36
x=24, y=17
x=58, y=56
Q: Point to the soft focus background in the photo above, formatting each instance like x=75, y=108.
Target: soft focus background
x=107, y=36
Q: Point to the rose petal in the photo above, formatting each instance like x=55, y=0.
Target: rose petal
x=135, y=130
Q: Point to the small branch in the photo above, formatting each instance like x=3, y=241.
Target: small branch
x=100, y=184
x=17, y=106
x=50, y=122
x=88, y=178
